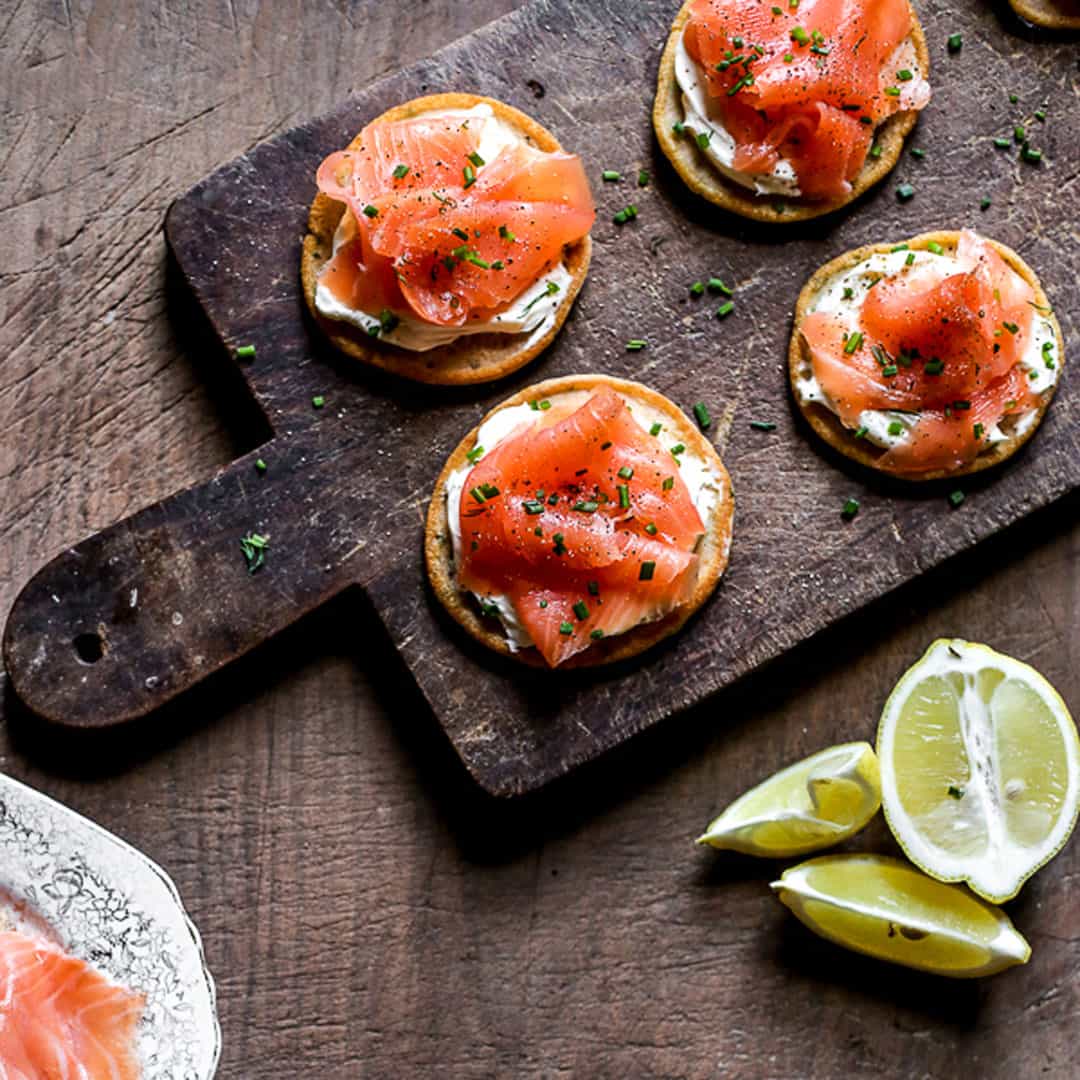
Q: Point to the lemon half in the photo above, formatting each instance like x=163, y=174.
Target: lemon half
x=813, y=804
x=980, y=767
x=884, y=908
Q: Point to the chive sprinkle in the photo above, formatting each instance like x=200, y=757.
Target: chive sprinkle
x=800, y=35
x=318, y=401
x=594, y=588
x=875, y=151
x=254, y=547
x=955, y=42
x=624, y=496
x=678, y=449
x=642, y=178
x=469, y=173
x=635, y=345
x=477, y=494
x=978, y=430
x=697, y=288
x=851, y=508
x=889, y=370
x=566, y=628
x=956, y=497
x=586, y=507
x=245, y=352
x=1031, y=156
x=533, y=507
x=505, y=233
x=904, y=75
x=476, y=159
x=461, y=234
x=702, y=138
x=853, y=342
x=581, y=610
x=954, y=792
x=260, y=465
x=724, y=310
x=934, y=247
x=701, y=411
x=918, y=152
x=611, y=174
x=849, y=292
x=626, y=473
x=656, y=429
x=371, y=211
x=934, y=367
x=651, y=529
x=669, y=483
x=896, y=428
x=1002, y=143
x=596, y=634
x=400, y=172
x=1019, y=133
x=716, y=285
x=861, y=432
x=910, y=260
x=647, y=570
x=904, y=192
x=763, y=425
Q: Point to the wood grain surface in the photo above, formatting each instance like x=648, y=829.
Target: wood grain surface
x=366, y=911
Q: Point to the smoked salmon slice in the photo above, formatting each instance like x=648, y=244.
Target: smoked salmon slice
x=437, y=232
x=807, y=82
x=583, y=521
x=943, y=341
x=59, y=1018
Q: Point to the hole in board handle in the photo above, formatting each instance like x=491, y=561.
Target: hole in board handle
x=89, y=648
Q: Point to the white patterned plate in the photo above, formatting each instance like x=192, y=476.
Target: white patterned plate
x=108, y=904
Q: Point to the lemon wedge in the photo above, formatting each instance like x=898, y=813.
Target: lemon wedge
x=813, y=804
x=884, y=908
x=980, y=767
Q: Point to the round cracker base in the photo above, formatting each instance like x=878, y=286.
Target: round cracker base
x=1049, y=14
x=475, y=358
x=702, y=178
x=713, y=552
x=828, y=426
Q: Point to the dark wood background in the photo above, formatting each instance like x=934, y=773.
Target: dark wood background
x=365, y=910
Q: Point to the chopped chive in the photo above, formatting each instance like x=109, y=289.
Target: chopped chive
x=1002, y=143
x=624, y=496
x=543, y=604
x=777, y=11
x=635, y=345
x=716, y=285
x=934, y=247
x=596, y=634
x=245, y=352
x=371, y=211
x=581, y=610
x=651, y=529
x=702, y=139
x=656, y=429
x=934, y=367
x=1013, y=99
x=800, y=35
x=956, y=497
x=626, y=473
x=875, y=151
x=955, y=792
x=763, y=425
x=1032, y=156
x=889, y=370
x=553, y=498
x=1040, y=115
x=469, y=174
x=678, y=449
x=260, y=465
x=1011, y=327
x=474, y=455
x=489, y=491
x=892, y=91
x=461, y=234
x=647, y=570
x=401, y=171
x=910, y=260
x=678, y=127
x=1019, y=133
x=788, y=57
x=586, y=507
x=497, y=264
x=955, y=42
x=594, y=588
x=961, y=405
x=476, y=159
x=669, y=483
x=896, y=428
x=254, y=548
x=853, y=342
x=724, y=310
x=861, y=432
x=849, y=293
x=978, y=429
x=505, y=233
x=851, y=508
x=477, y=494
x=701, y=411
x=904, y=75
x=904, y=192
x=918, y=152
x=642, y=178
x=533, y=507
x=697, y=288
x=566, y=628
x=318, y=401
x=611, y=174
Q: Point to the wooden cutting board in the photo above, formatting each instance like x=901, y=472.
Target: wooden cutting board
x=136, y=614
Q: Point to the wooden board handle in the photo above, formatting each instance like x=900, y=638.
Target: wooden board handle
x=133, y=615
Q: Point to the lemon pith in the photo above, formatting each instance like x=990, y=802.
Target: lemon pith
x=980, y=767
x=812, y=804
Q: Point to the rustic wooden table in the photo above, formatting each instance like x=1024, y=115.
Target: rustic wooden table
x=365, y=911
